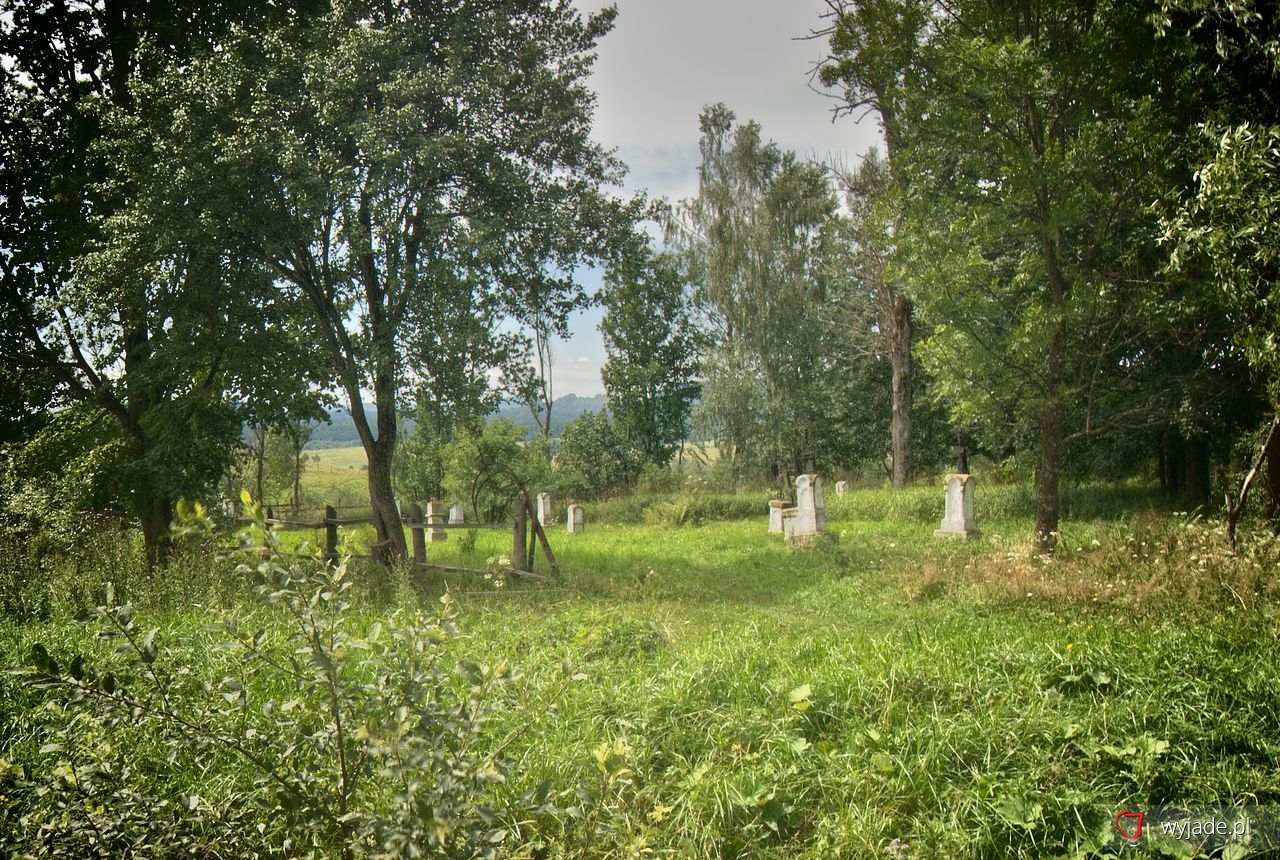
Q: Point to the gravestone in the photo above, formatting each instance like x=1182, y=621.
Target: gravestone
x=575, y=520
x=776, y=507
x=810, y=517
x=842, y=487
x=435, y=522
x=957, y=521
x=456, y=515
x=545, y=517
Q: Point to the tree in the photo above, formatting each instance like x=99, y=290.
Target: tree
x=119, y=285
x=1037, y=142
x=873, y=311
x=595, y=456
x=428, y=148
x=651, y=371
x=1221, y=224
x=875, y=46
x=751, y=243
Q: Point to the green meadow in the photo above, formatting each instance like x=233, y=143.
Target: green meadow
x=702, y=690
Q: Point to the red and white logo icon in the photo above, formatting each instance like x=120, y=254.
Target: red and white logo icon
x=1129, y=825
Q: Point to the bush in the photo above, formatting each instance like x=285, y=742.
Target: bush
x=329, y=738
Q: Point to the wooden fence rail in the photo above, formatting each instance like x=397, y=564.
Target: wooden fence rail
x=525, y=529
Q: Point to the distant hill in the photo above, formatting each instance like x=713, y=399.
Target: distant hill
x=340, y=432
x=563, y=410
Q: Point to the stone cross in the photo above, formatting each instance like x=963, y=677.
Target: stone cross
x=575, y=520
x=958, y=522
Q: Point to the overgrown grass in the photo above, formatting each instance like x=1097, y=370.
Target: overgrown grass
x=880, y=694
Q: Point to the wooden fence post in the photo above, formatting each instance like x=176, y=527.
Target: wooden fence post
x=518, y=535
x=419, y=534
x=330, y=535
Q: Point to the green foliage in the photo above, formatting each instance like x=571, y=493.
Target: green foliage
x=652, y=348
x=488, y=468
x=751, y=243
x=596, y=458
x=347, y=739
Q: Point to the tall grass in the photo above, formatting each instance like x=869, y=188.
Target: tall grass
x=693, y=688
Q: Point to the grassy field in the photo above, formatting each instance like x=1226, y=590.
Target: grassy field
x=704, y=691
x=336, y=476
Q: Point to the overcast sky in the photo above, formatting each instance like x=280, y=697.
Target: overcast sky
x=667, y=59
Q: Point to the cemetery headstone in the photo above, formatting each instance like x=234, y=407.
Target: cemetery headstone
x=575, y=520
x=776, y=507
x=435, y=522
x=957, y=521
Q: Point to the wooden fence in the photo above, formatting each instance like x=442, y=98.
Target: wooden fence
x=527, y=534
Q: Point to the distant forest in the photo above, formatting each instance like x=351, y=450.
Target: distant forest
x=340, y=431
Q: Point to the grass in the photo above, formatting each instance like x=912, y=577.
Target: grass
x=881, y=694
x=337, y=476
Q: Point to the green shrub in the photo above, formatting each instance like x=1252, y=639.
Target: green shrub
x=324, y=737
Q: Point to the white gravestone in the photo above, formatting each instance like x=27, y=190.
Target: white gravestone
x=810, y=517
x=545, y=516
x=456, y=515
x=435, y=521
x=957, y=522
x=576, y=520
x=776, y=507
x=842, y=487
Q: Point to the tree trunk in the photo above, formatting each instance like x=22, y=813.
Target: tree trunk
x=1052, y=444
x=156, y=515
x=259, y=460
x=391, y=544
x=1197, y=472
x=900, y=362
x=1048, y=477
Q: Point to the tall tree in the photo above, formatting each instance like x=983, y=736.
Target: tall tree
x=751, y=244
x=118, y=285
x=872, y=309
x=1037, y=144
x=430, y=146
x=651, y=371
x=875, y=46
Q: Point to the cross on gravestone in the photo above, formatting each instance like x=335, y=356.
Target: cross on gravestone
x=957, y=522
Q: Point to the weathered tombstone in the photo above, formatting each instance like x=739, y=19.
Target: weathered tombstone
x=957, y=521
x=842, y=487
x=545, y=517
x=788, y=516
x=575, y=520
x=435, y=521
x=776, y=507
x=810, y=517
x=456, y=515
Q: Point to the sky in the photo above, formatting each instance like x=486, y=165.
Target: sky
x=664, y=61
